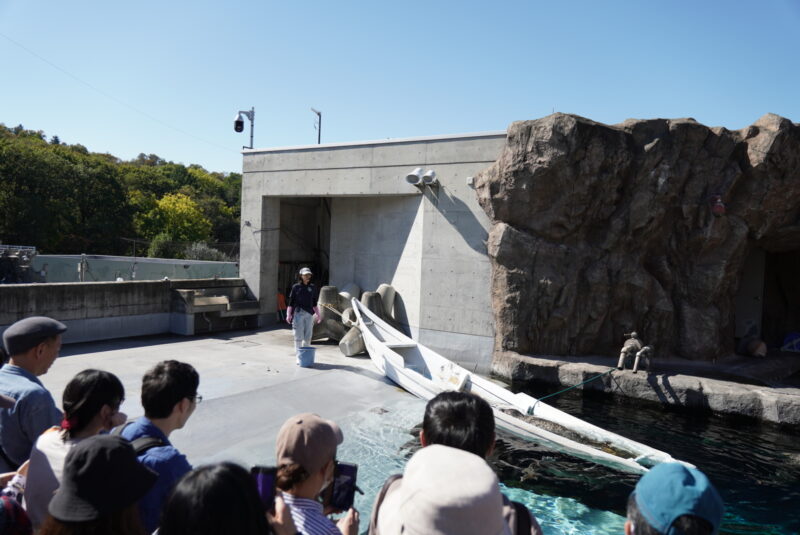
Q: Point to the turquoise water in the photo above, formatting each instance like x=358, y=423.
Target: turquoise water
x=756, y=466
x=380, y=443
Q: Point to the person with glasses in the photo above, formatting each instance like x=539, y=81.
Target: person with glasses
x=169, y=397
x=91, y=404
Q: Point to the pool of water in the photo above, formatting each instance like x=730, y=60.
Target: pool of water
x=755, y=466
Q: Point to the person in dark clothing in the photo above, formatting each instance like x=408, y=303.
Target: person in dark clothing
x=302, y=310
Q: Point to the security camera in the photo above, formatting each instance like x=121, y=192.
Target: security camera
x=238, y=123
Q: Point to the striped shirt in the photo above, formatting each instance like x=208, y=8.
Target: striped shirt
x=308, y=517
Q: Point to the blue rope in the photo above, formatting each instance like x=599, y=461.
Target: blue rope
x=532, y=409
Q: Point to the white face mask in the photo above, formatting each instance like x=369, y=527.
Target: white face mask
x=328, y=480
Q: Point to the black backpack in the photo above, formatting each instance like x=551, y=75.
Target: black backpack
x=141, y=444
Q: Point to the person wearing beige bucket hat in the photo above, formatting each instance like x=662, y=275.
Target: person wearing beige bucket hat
x=445, y=491
x=306, y=455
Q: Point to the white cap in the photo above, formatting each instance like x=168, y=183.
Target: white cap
x=443, y=491
x=305, y=271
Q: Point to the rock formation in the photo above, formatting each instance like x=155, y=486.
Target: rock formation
x=599, y=230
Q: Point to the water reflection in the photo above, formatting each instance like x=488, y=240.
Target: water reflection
x=755, y=466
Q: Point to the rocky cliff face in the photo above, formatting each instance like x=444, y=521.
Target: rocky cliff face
x=599, y=230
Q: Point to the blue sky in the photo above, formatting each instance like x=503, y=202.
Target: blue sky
x=167, y=77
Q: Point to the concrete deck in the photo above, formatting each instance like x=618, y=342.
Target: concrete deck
x=250, y=386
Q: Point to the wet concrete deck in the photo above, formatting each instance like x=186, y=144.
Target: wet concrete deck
x=249, y=383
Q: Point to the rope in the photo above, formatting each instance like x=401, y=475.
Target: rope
x=329, y=307
x=532, y=409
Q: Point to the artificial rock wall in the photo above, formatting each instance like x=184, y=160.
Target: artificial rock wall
x=598, y=230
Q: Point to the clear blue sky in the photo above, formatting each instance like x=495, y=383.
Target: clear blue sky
x=168, y=76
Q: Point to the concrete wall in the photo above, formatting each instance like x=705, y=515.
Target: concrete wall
x=99, y=310
x=64, y=268
x=430, y=245
x=377, y=240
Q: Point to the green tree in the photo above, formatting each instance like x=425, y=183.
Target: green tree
x=178, y=216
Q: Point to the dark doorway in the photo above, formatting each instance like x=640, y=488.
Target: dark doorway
x=781, y=313
x=305, y=240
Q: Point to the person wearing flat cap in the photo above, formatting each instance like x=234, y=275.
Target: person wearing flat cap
x=101, y=486
x=674, y=499
x=32, y=345
x=306, y=455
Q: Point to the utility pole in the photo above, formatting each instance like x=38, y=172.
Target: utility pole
x=319, y=125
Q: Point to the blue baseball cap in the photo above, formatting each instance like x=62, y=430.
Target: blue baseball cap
x=671, y=490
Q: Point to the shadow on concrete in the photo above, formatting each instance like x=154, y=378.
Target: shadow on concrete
x=353, y=369
x=400, y=315
x=83, y=348
x=114, y=344
x=458, y=214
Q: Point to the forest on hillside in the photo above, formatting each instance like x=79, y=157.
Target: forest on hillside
x=63, y=199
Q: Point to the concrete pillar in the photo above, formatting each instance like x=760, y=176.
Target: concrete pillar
x=259, y=246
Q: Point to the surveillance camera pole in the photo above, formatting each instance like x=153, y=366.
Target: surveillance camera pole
x=252, y=116
x=319, y=125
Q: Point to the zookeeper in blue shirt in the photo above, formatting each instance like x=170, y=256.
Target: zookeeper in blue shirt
x=302, y=310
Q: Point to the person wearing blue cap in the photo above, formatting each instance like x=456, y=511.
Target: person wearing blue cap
x=674, y=499
x=32, y=345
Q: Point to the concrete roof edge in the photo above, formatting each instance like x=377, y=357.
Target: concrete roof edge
x=390, y=141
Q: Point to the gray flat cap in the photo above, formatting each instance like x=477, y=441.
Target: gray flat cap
x=30, y=332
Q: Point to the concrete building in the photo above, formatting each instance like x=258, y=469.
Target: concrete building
x=348, y=211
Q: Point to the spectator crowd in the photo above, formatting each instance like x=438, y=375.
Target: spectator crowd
x=89, y=470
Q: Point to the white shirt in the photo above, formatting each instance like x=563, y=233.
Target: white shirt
x=44, y=473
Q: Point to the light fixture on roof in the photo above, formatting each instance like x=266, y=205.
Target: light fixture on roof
x=421, y=178
x=429, y=178
x=415, y=177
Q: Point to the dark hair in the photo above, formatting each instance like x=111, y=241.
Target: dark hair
x=290, y=475
x=214, y=500
x=165, y=384
x=686, y=524
x=459, y=420
x=86, y=394
x=122, y=522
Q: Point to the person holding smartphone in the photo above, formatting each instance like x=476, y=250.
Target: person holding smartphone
x=306, y=456
x=223, y=498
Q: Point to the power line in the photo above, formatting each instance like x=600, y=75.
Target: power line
x=112, y=97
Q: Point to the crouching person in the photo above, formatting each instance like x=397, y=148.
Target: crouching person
x=672, y=499
x=306, y=455
x=465, y=422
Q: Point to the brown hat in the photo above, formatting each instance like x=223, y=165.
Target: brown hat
x=308, y=440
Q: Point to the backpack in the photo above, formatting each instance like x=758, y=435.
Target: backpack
x=141, y=444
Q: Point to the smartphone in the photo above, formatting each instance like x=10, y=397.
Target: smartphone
x=265, y=477
x=344, y=486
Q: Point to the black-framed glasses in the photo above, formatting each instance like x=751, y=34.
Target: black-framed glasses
x=198, y=398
